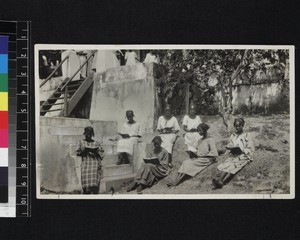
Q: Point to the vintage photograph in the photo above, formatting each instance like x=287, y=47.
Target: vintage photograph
x=165, y=121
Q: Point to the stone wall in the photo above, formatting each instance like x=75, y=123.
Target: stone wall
x=58, y=139
x=260, y=98
x=123, y=88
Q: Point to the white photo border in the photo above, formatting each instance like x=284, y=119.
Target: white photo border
x=291, y=195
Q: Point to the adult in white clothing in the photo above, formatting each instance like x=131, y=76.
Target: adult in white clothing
x=130, y=57
x=192, y=136
x=168, y=127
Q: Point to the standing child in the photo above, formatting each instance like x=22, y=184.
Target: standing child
x=241, y=149
x=130, y=57
x=91, y=168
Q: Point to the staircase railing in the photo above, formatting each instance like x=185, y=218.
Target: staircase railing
x=70, y=104
x=68, y=109
x=78, y=70
x=54, y=71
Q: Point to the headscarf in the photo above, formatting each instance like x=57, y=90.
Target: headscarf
x=157, y=138
x=89, y=129
x=239, y=120
x=129, y=111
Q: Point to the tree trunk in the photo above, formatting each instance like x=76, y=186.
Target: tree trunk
x=235, y=74
x=226, y=114
x=187, y=98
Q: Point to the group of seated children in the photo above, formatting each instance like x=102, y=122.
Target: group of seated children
x=201, y=149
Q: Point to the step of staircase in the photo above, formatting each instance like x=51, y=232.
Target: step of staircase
x=116, y=182
x=52, y=104
x=110, y=159
x=52, y=110
x=112, y=170
x=74, y=86
x=69, y=91
x=49, y=99
x=109, y=148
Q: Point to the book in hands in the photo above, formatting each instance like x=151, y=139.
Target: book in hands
x=153, y=160
x=234, y=150
x=168, y=130
x=124, y=135
x=193, y=130
x=138, y=136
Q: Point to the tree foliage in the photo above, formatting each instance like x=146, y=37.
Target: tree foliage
x=207, y=70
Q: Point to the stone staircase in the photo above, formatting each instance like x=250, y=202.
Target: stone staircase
x=114, y=176
x=60, y=136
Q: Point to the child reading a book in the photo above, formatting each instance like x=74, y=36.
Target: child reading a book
x=206, y=154
x=151, y=173
x=241, y=148
x=129, y=135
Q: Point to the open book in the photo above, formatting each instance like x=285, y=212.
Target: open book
x=234, y=150
x=124, y=135
x=169, y=129
x=153, y=160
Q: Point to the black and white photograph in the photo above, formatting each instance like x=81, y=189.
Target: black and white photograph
x=164, y=121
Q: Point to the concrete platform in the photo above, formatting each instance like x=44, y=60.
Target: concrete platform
x=110, y=159
x=109, y=148
x=115, y=182
x=112, y=170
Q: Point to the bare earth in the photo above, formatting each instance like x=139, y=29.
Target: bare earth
x=268, y=173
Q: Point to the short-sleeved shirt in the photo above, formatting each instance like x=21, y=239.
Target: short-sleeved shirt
x=191, y=122
x=168, y=123
x=150, y=58
x=244, y=142
x=131, y=129
x=130, y=58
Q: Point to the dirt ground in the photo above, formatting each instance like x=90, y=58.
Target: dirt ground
x=268, y=173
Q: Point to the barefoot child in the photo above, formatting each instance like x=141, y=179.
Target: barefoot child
x=241, y=148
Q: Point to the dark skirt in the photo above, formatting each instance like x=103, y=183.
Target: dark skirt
x=149, y=174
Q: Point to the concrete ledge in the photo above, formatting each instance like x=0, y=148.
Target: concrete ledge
x=110, y=159
x=117, y=170
x=67, y=126
x=109, y=148
x=70, y=139
x=115, y=182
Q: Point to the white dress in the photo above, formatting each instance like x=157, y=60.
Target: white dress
x=126, y=144
x=206, y=152
x=191, y=138
x=236, y=162
x=168, y=138
x=130, y=58
x=150, y=58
